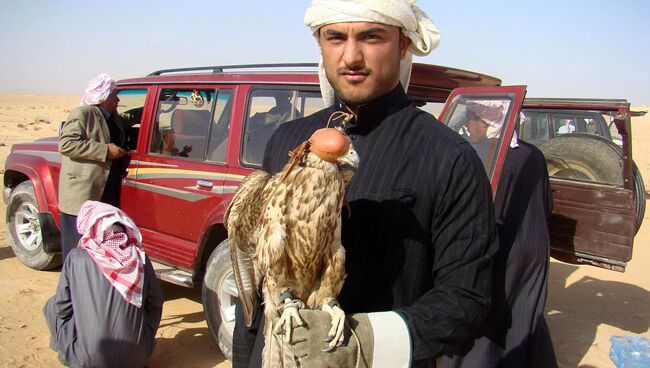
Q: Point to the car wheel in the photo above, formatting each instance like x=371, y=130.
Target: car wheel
x=639, y=196
x=26, y=229
x=219, y=297
x=583, y=157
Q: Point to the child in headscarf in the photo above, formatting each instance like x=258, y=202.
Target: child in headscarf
x=108, y=303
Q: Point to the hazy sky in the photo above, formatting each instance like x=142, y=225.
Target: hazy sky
x=559, y=48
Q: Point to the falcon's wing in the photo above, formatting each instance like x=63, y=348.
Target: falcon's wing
x=241, y=219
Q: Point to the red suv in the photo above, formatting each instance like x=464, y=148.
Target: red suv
x=204, y=129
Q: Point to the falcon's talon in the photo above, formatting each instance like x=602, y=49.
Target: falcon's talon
x=328, y=349
x=289, y=318
x=335, y=334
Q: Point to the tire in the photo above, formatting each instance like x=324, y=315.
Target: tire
x=639, y=197
x=583, y=157
x=592, y=158
x=26, y=229
x=219, y=294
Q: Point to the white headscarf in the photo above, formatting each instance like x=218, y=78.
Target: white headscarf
x=415, y=25
x=98, y=90
x=493, y=114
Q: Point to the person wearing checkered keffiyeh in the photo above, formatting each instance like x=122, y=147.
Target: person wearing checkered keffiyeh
x=114, y=242
x=108, y=303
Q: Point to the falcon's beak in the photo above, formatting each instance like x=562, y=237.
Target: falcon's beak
x=348, y=164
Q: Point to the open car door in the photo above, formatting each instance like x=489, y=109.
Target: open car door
x=598, y=192
x=502, y=105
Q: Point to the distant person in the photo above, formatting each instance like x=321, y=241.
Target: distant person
x=92, y=142
x=169, y=145
x=567, y=127
x=483, y=122
x=515, y=333
x=108, y=303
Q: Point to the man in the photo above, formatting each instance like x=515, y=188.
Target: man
x=483, y=122
x=420, y=238
x=92, y=142
x=515, y=333
x=108, y=303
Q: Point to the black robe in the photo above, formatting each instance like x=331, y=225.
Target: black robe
x=516, y=334
x=421, y=235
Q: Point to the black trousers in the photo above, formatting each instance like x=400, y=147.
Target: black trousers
x=111, y=195
x=247, y=342
x=69, y=234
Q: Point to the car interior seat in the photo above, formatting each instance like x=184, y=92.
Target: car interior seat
x=191, y=131
x=261, y=126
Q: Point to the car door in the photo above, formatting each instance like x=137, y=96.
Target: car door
x=179, y=180
x=502, y=104
x=598, y=193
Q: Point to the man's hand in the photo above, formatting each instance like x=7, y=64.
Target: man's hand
x=308, y=344
x=114, y=152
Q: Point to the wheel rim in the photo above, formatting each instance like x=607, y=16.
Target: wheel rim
x=227, y=298
x=576, y=173
x=27, y=227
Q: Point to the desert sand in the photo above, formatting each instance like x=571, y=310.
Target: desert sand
x=585, y=307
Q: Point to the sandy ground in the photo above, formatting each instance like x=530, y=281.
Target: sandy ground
x=586, y=305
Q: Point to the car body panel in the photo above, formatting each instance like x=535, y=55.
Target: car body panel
x=591, y=224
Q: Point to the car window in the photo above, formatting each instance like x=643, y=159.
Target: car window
x=487, y=118
x=564, y=124
x=268, y=109
x=613, y=130
x=182, y=122
x=480, y=120
x=130, y=107
x=534, y=127
x=220, y=127
x=592, y=126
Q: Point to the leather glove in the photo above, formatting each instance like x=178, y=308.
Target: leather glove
x=308, y=345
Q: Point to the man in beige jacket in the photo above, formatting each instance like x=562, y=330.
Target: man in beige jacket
x=92, y=142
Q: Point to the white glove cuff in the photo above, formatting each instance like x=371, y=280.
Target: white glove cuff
x=392, y=341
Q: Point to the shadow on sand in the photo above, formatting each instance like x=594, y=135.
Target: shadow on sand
x=6, y=253
x=184, y=347
x=596, y=302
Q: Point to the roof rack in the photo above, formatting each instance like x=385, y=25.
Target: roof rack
x=222, y=68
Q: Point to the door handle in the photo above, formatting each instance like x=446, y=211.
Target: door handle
x=205, y=184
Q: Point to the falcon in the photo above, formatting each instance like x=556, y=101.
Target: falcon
x=285, y=237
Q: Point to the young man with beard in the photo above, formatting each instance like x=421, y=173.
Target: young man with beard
x=420, y=236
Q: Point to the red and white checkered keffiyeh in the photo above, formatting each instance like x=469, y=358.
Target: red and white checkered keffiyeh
x=114, y=242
